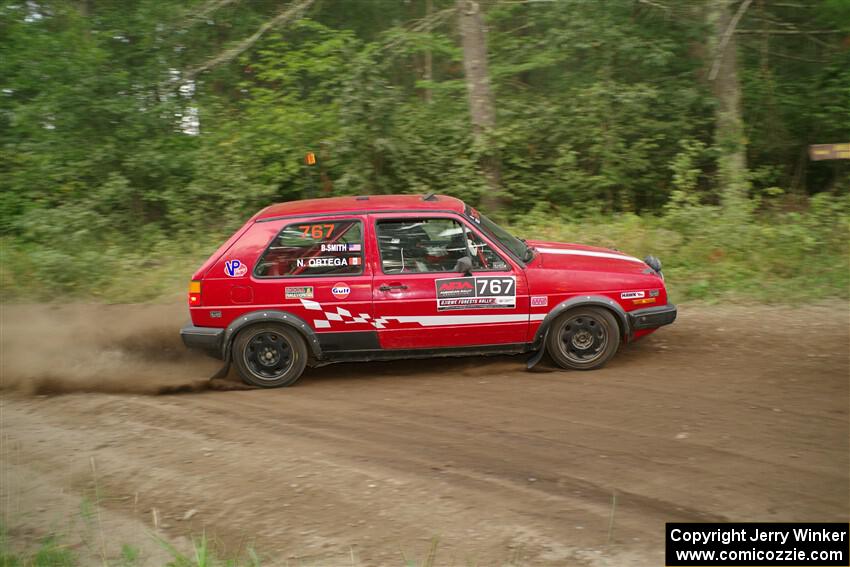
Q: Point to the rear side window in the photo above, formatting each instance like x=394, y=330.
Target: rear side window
x=322, y=248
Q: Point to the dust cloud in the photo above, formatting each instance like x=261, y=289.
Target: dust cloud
x=63, y=349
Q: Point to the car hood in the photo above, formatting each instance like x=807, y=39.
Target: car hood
x=562, y=256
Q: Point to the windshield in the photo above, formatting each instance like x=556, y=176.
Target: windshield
x=505, y=238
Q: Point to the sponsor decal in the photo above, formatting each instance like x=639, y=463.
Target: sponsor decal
x=235, y=268
x=215, y=314
x=327, y=261
x=476, y=302
x=302, y=292
x=632, y=294
x=316, y=231
x=341, y=247
x=455, y=287
x=539, y=300
x=653, y=293
x=644, y=301
x=476, y=293
x=340, y=290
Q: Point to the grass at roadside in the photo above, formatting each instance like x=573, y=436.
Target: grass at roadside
x=771, y=256
x=49, y=553
x=102, y=273
x=53, y=552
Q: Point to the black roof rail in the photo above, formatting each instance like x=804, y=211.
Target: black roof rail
x=430, y=196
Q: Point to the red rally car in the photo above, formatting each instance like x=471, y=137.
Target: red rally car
x=383, y=277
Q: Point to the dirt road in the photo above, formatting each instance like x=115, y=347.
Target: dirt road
x=732, y=413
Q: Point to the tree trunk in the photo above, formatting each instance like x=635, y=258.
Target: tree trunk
x=481, y=112
x=428, y=73
x=729, y=126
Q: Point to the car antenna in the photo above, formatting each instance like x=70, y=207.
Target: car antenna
x=430, y=196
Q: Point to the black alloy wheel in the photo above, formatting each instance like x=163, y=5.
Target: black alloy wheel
x=583, y=338
x=269, y=356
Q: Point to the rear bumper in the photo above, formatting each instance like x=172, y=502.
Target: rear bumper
x=207, y=339
x=652, y=317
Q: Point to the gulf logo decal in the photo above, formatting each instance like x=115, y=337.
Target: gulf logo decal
x=341, y=290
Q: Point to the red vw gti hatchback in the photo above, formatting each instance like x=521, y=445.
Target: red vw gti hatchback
x=311, y=282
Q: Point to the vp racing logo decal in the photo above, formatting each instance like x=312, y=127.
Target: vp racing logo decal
x=235, y=268
x=476, y=293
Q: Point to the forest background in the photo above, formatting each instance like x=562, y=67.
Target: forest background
x=136, y=136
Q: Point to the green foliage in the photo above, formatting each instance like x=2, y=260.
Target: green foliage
x=686, y=174
x=108, y=188
x=774, y=256
x=595, y=97
x=795, y=93
x=203, y=554
x=49, y=553
x=130, y=555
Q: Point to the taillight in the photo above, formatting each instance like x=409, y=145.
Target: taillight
x=194, y=293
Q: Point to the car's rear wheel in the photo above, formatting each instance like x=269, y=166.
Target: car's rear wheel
x=583, y=338
x=269, y=356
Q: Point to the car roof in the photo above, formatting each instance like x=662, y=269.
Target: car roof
x=362, y=204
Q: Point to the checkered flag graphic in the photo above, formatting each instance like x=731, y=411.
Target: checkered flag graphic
x=341, y=315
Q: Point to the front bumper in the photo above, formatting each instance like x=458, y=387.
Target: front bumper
x=652, y=317
x=203, y=338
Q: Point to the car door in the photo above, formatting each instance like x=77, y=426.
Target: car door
x=315, y=269
x=421, y=299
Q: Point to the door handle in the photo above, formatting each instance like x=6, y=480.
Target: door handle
x=386, y=287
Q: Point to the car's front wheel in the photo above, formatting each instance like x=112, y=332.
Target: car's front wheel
x=269, y=356
x=583, y=338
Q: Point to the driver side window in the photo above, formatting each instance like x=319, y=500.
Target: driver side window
x=432, y=245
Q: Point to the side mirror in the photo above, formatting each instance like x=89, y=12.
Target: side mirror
x=464, y=265
x=653, y=263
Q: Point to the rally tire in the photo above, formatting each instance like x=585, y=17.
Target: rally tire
x=269, y=355
x=583, y=338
